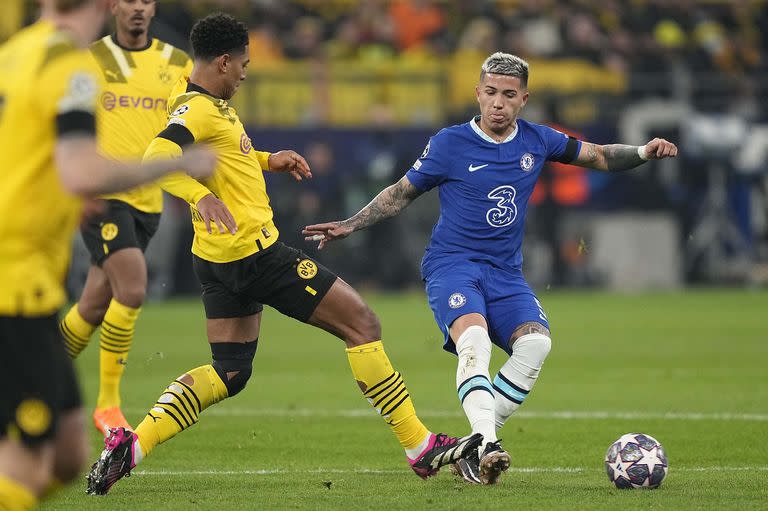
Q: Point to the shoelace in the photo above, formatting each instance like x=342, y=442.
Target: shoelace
x=496, y=446
x=443, y=439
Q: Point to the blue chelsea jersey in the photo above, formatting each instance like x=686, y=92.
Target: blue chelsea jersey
x=484, y=187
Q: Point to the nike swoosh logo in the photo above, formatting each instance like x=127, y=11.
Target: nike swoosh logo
x=473, y=168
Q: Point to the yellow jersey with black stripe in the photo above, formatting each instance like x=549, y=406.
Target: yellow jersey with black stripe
x=48, y=88
x=133, y=106
x=238, y=180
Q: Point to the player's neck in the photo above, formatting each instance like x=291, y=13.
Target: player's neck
x=74, y=25
x=202, y=79
x=498, y=137
x=128, y=41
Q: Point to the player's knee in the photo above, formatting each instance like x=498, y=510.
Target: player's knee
x=534, y=347
x=131, y=295
x=233, y=363
x=472, y=342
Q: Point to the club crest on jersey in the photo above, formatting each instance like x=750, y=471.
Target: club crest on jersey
x=526, y=162
x=457, y=300
x=245, y=144
x=164, y=75
x=181, y=110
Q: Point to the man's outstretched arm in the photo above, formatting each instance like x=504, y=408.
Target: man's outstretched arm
x=618, y=157
x=388, y=203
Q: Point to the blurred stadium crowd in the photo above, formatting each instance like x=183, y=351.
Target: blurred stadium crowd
x=359, y=86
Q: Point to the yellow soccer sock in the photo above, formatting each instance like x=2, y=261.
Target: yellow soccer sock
x=179, y=406
x=76, y=331
x=385, y=390
x=14, y=496
x=115, y=343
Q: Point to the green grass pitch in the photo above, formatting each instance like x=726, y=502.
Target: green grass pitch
x=689, y=368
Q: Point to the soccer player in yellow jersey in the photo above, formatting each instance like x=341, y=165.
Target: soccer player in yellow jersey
x=138, y=73
x=48, y=155
x=241, y=272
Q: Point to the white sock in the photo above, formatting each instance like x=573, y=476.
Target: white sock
x=473, y=382
x=516, y=377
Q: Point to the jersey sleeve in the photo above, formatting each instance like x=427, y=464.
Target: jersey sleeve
x=179, y=184
x=189, y=122
x=68, y=90
x=560, y=147
x=431, y=168
x=263, y=159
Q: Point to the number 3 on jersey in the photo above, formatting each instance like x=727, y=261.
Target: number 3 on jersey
x=505, y=211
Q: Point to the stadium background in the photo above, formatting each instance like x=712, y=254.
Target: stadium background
x=334, y=80
x=359, y=86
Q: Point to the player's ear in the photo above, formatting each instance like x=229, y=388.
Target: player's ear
x=224, y=61
x=525, y=99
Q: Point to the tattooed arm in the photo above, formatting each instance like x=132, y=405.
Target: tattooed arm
x=388, y=203
x=618, y=157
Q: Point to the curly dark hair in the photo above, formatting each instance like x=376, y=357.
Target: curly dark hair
x=218, y=34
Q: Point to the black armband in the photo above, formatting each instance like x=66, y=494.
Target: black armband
x=75, y=122
x=177, y=134
x=570, y=153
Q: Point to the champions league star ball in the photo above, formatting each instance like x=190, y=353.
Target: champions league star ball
x=636, y=461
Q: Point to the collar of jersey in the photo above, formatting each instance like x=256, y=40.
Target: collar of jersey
x=193, y=87
x=484, y=136
x=113, y=36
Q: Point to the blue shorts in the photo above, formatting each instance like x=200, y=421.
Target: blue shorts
x=502, y=297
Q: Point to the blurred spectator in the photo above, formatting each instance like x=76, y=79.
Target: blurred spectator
x=415, y=20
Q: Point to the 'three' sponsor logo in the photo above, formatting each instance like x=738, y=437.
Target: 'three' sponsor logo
x=110, y=101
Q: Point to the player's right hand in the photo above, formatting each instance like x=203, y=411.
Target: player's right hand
x=210, y=208
x=198, y=161
x=326, y=232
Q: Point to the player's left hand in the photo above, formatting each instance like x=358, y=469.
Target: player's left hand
x=326, y=232
x=291, y=162
x=659, y=148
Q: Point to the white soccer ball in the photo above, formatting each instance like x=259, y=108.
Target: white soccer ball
x=636, y=460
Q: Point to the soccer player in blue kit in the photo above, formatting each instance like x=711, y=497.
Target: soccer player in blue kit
x=485, y=171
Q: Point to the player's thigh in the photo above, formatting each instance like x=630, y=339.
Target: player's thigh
x=37, y=378
x=344, y=313
x=512, y=304
x=231, y=314
x=126, y=270
x=455, y=294
x=238, y=329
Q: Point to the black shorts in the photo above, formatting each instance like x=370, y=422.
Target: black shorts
x=121, y=226
x=36, y=377
x=279, y=276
